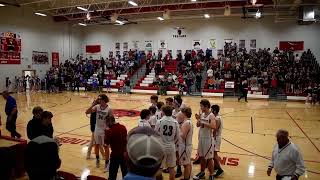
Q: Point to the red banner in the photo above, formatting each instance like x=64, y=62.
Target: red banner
x=55, y=59
x=295, y=45
x=93, y=48
x=10, y=48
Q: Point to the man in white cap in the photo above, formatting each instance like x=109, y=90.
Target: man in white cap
x=145, y=154
x=286, y=159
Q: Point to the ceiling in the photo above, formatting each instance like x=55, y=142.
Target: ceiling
x=148, y=10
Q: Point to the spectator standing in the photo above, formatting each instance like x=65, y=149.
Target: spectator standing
x=286, y=158
x=198, y=81
x=116, y=139
x=11, y=111
x=243, y=90
x=34, y=124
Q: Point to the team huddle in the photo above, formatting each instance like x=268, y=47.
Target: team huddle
x=172, y=121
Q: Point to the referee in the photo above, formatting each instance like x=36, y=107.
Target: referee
x=11, y=110
x=286, y=159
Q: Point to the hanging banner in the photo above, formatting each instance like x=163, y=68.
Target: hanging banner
x=55, y=59
x=196, y=44
x=135, y=45
x=125, y=46
x=163, y=44
x=212, y=44
x=40, y=57
x=10, y=48
x=117, y=46
x=93, y=48
x=295, y=45
x=253, y=43
x=148, y=45
x=242, y=44
x=179, y=33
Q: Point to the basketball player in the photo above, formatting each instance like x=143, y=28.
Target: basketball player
x=154, y=100
x=169, y=101
x=159, y=112
x=168, y=129
x=217, y=139
x=153, y=118
x=145, y=116
x=175, y=112
x=207, y=124
x=103, y=111
x=93, y=118
x=185, y=146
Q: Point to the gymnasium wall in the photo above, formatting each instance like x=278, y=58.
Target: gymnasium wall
x=265, y=31
x=37, y=34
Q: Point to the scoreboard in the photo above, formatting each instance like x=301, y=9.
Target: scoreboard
x=10, y=48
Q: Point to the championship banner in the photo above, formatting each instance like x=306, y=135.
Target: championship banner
x=212, y=43
x=196, y=44
x=117, y=46
x=135, y=45
x=40, y=57
x=148, y=45
x=55, y=59
x=295, y=45
x=163, y=44
x=10, y=48
x=93, y=48
x=125, y=46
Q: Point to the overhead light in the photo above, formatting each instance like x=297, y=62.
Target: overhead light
x=1, y=5
x=40, y=14
x=119, y=22
x=207, y=16
x=160, y=18
x=253, y=2
x=82, y=24
x=132, y=3
x=193, y=0
x=81, y=8
x=258, y=14
x=88, y=16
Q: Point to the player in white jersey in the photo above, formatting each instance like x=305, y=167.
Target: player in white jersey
x=159, y=112
x=144, y=118
x=154, y=100
x=153, y=118
x=168, y=129
x=185, y=143
x=207, y=124
x=176, y=105
x=103, y=111
x=217, y=139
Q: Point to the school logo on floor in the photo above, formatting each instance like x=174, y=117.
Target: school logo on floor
x=125, y=112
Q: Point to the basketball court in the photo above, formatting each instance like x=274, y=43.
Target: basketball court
x=248, y=134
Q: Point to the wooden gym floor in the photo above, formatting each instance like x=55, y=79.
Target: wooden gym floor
x=248, y=134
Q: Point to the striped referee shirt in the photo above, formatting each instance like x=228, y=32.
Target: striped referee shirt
x=287, y=161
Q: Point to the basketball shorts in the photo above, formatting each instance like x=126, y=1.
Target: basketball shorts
x=169, y=160
x=217, y=143
x=185, y=154
x=206, y=148
x=99, y=138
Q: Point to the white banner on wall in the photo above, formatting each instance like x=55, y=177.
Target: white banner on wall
x=148, y=45
x=135, y=45
x=163, y=44
x=212, y=44
x=196, y=44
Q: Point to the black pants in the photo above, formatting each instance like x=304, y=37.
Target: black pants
x=198, y=86
x=278, y=177
x=11, y=125
x=115, y=162
x=243, y=94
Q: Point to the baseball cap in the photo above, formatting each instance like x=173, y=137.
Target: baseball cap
x=144, y=143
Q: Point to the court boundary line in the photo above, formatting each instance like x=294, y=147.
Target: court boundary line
x=302, y=131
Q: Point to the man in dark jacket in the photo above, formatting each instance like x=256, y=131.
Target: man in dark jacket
x=34, y=125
